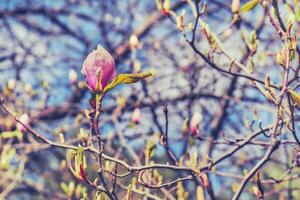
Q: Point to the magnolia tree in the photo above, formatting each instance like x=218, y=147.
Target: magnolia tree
x=186, y=99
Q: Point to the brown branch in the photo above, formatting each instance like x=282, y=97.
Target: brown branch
x=168, y=184
x=277, y=13
x=166, y=138
x=265, y=158
x=230, y=152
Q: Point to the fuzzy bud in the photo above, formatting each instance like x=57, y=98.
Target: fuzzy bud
x=98, y=69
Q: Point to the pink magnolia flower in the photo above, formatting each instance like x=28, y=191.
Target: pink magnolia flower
x=98, y=69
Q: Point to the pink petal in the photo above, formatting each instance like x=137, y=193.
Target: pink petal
x=98, y=60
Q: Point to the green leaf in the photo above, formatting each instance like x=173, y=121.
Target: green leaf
x=10, y=134
x=297, y=13
x=295, y=97
x=249, y=6
x=80, y=164
x=158, y=4
x=64, y=187
x=210, y=36
x=128, y=195
x=126, y=78
x=79, y=159
x=7, y=154
x=101, y=196
x=71, y=188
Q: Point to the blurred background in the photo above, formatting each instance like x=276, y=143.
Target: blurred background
x=43, y=44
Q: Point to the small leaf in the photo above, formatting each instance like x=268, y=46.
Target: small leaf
x=134, y=181
x=297, y=13
x=10, y=134
x=121, y=101
x=211, y=37
x=234, y=187
x=74, y=173
x=80, y=170
x=166, y=7
x=158, y=4
x=203, y=8
x=128, y=195
x=87, y=113
x=281, y=112
x=251, y=65
x=295, y=97
x=71, y=188
x=61, y=137
x=267, y=93
x=6, y=156
x=289, y=125
x=101, y=196
x=78, y=190
x=126, y=78
x=181, y=193
x=65, y=188
x=200, y=193
x=267, y=82
x=255, y=190
x=179, y=22
x=249, y=6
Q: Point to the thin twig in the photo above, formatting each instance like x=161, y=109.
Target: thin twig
x=246, y=179
x=166, y=138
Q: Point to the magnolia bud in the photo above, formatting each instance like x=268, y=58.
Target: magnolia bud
x=133, y=42
x=27, y=88
x=24, y=118
x=11, y=84
x=235, y=6
x=136, y=116
x=179, y=21
x=98, y=69
x=194, y=123
x=72, y=76
x=265, y=3
x=281, y=57
x=235, y=9
x=190, y=26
